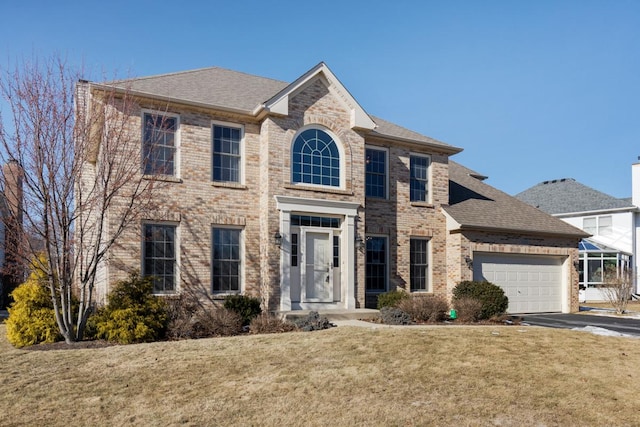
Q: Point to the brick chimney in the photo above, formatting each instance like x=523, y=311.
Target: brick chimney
x=13, y=177
x=12, y=271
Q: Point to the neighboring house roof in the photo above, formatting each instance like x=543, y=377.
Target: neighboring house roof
x=569, y=196
x=476, y=205
x=230, y=90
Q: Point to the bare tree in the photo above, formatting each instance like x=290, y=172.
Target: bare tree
x=617, y=288
x=80, y=160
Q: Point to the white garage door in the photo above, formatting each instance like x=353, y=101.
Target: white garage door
x=533, y=284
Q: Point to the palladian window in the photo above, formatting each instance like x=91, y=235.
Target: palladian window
x=315, y=159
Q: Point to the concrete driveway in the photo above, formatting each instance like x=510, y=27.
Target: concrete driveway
x=623, y=325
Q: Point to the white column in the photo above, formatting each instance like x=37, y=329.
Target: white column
x=349, y=249
x=285, y=261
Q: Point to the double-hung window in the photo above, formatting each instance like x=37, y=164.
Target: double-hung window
x=227, y=153
x=419, y=185
x=226, y=260
x=419, y=265
x=600, y=225
x=376, y=173
x=159, y=144
x=159, y=256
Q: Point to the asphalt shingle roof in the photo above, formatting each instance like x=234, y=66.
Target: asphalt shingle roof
x=475, y=204
x=567, y=196
x=227, y=89
x=214, y=86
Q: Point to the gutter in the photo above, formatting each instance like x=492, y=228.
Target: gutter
x=449, y=149
x=597, y=212
x=148, y=95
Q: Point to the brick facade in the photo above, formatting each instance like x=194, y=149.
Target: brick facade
x=265, y=200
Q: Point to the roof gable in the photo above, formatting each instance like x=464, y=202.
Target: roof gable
x=279, y=103
x=561, y=196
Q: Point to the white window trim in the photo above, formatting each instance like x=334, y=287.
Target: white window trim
x=429, y=197
x=386, y=189
x=597, y=226
x=341, y=153
x=387, y=265
x=242, y=150
x=176, y=162
x=176, y=244
x=429, y=289
x=222, y=294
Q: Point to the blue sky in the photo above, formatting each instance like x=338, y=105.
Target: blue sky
x=532, y=90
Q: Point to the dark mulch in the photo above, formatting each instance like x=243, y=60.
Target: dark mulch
x=61, y=345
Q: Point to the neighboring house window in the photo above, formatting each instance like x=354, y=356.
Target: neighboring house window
x=605, y=225
x=315, y=159
x=419, y=166
x=226, y=261
x=159, y=257
x=376, y=173
x=600, y=226
x=376, y=267
x=419, y=264
x=226, y=153
x=589, y=225
x=159, y=144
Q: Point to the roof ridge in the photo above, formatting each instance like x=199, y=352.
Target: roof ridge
x=195, y=70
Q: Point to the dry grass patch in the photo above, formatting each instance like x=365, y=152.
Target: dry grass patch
x=632, y=306
x=442, y=375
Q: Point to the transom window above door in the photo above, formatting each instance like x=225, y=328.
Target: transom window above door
x=315, y=159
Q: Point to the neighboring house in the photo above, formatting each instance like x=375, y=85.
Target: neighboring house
x=293, y=193
x=612, y=223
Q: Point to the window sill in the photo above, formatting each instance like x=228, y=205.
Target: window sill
x=318, y=189
x=232, y=185
x=163, y=178
x=423, y=205
x=167, y=294
x=219, y=296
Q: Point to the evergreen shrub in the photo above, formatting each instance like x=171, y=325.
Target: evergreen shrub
x=494, y=301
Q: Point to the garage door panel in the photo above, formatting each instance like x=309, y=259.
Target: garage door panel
x=532, y=283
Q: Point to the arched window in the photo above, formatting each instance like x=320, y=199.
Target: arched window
x=315, y=159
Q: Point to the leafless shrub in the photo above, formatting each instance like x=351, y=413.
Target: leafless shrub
x=425, y=308
x=189, y=318
x=266, y=323
x=468, y=309
x=218, y=322
x=182, y=311
x=617, y=288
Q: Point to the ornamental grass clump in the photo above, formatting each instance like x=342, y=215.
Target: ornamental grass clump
x=266, y=323
x=425, y=308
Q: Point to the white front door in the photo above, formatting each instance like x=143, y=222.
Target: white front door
x=318, y=267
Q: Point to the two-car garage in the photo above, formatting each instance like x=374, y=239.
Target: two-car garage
x=533, y=283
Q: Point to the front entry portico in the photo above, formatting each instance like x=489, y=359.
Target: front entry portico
x=317, y=254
